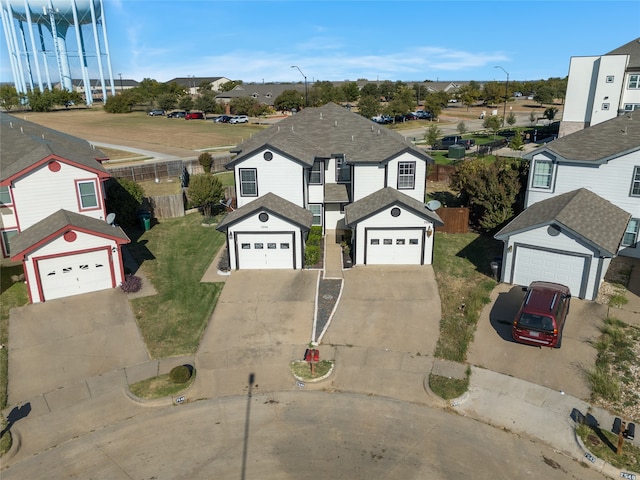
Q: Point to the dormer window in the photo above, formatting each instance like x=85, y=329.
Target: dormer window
x=542, y=172
x=343, y=171
x=315, y=174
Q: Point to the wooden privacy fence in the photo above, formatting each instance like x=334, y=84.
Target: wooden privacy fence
x=171, y=169
x=165, y=206
x=456, y=220
x=440, y=173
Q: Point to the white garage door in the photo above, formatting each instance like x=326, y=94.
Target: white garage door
x=264, y=250
x=75, y=274
x=394, y=247
x=533, y=264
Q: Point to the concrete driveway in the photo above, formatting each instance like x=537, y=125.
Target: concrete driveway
x=262, y=321
x=65, y=341
x=560, y=369
x=395, y=308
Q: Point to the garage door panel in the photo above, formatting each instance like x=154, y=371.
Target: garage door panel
x=75, y=274
x=533, y=264
x=265, y=251
x=394, y=247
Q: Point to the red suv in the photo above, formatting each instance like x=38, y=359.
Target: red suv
x=194, y=116
x=542, y=316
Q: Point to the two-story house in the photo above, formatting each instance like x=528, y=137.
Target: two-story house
x=332, y=168
x=52, y=212
x=599, y=87
x=582, y=208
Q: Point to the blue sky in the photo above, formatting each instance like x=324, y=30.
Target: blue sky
x=385, y=40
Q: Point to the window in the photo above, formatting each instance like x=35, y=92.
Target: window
x=284, y=246
x=630, y=107
x=316, y=210
x=248, y=182
x=7, y=235
x=399, y=241
x=258, y=246
x=635, y=183
x=271, y=246
x=5, y=196
x=631, y=234
x=610, y=78
x=246, y=246
x=315, y=175
x=375, y=241
x=634, y=81
x=406, y=175
x=413, y=241
x=87, y=194
x=542, y=174
x=387, y=241
x=343, y=171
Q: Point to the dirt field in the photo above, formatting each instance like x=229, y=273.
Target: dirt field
x=172, y=136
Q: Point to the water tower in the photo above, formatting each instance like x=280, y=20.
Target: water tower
x=63, y=34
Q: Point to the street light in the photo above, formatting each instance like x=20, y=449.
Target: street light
x=306, y=96
x=120, y=75
x=506, y=94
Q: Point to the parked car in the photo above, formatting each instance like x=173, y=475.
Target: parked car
x=411, y=116
x=194, y=116
x=450, y=140
x=542, y=315
x=239, y=119
x=156, y=113
x=423, y=114
x=222, y=119
x=383, y=119
x=177, y=114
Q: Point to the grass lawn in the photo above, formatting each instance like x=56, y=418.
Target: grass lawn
x=226, y=178
x=11, y=295
x=604, y=444
x=461, y=263
x=175, y=255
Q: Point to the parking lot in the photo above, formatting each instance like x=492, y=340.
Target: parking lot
x=560, y=369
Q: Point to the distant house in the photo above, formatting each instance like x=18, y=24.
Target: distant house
x=192, y=84
x=264, y=93
x=582, y=208
x=602, y=86
x=331, y=168
x=52, y=209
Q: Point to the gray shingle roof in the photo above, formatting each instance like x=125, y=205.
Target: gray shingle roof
x=382, y=199
x=335, y=193
x=581, y=211
x=328, y=130
x=61, y=221
x=24, y=143
x=599, y=143
x=633, y=50
x=271, y=203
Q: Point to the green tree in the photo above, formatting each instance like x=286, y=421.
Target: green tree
x=493, y=93
x=9, y=97
x=149, y=89
x=325, y=92
x=386, y=89
x=186, y=102
x=123, y=102
x=167, y=101
x=124, y=198
x=550, y=113
x=517, y=142
x=432, y=134
x=288, y=100
x=461, y=127
x=207, y=103
x=368, y=106
x=533, y=116
x=230, y=85
x=243, y=105
x=492, y=123
x=511, y=119
x=349, y=91
x=205, y=191
x=468, y=95
x=544, y=94
x=41, y=101
x=490, y=190
x=206, y=160
x=370, y=89
x=435, y=103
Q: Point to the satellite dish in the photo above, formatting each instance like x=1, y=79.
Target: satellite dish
x=111, y=218
x=433, y=205
x=227, y=203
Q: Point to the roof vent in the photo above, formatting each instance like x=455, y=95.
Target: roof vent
x=335, y=123
x=292, y=128
x=21, y=130
x=352, y=138
x=43, y=136
x=278, y=127
x=11, y=124
x=320, y=115
x=378, y=131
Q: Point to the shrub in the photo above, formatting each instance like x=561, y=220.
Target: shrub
x=205, y=159
x=223, y=263
x=311, y=255
x=180, y=374
x=315, y=236
x=131, y=284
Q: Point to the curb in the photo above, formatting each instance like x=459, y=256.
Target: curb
x=312, y=380
x=600, y=465
x=16, y=443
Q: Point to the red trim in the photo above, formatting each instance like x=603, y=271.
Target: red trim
x=97, y=193
x=61, y=231
x=34, y=166
x=36, y=267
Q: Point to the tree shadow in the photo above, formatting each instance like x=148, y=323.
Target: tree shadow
x=481, y=252
x=16, y=413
